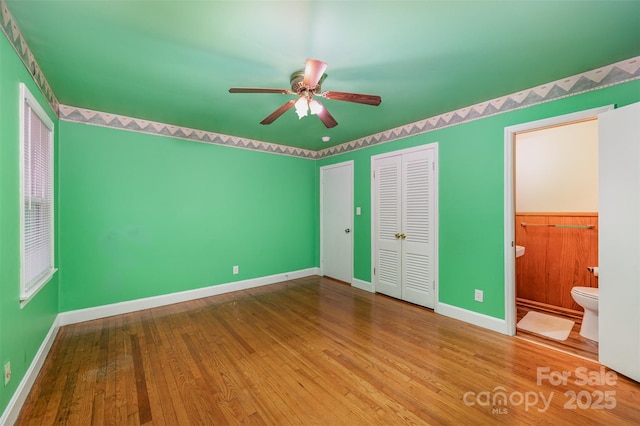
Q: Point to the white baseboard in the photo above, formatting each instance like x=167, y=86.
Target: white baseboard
x=88, y=314
x=471, y=317
x=363, y=285
x=12, y=410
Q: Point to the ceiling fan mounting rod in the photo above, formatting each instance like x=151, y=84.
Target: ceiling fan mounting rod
x=298, y=85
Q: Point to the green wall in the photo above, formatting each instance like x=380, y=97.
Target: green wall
x=22, y=331
x=144, y=215
x=471, y=197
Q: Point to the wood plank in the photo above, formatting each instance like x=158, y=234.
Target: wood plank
x=531, y=269
x=307, y=351
x=142, y=394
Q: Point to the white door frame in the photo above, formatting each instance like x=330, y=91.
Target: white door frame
x=433, y=146
x=509, y=202
x=349, y=164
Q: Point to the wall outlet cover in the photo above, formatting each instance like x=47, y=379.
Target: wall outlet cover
x=7, y=373
x=479, y=295
x=236, y=270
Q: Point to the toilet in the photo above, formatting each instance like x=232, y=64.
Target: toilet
x=587, y=297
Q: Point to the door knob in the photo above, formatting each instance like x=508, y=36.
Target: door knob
x=397, y=235
x=346, y=231
x=403, y=236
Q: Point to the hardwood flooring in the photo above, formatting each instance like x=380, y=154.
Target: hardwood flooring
x=575, y=343
x=313, y=351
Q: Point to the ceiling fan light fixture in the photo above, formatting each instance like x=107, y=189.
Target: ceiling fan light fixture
x=315, y=107
x=302, y=106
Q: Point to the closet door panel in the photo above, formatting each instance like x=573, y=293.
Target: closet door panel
x=417, y=219
x=387, y=176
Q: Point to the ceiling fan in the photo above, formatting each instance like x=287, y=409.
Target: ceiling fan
x=306, y=84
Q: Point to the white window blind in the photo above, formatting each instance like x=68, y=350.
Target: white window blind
x=37, y=257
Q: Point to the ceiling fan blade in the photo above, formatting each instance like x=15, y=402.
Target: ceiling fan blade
x=259, y=90
x=326, y=118
x=313, y=72
x=277, y=113
x=353, y=97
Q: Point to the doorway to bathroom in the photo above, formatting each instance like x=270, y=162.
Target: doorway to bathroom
x=553, y=212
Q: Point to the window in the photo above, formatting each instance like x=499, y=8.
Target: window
x=36, y=195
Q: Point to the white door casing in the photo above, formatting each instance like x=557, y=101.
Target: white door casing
x=619, y=239
x=404, y=229
x=336, y=221
x=509, y=325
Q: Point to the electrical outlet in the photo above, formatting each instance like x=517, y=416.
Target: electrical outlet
x=236, y=270
x=7, y=373
x=479, y=295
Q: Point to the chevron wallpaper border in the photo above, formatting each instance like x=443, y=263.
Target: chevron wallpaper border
x=599, y=78
x=610, y=75
x=104, y=119
x=13, y=34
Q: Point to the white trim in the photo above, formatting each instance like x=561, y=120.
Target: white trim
x=349, y=164
x=25, y=95
x=11, y=412
x=471, y=317
x=436, y=225
x=88, y=314
x=509, y=201
x=372, y=219
x=362, y=285
x=37, y=287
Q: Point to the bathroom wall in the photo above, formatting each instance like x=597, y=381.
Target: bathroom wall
x=556, y=184
x=556, y=257
x=557, y=169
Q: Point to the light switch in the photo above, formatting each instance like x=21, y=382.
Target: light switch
x=358, y=211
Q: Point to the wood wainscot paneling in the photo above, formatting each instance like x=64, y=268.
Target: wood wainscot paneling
x=556, y=257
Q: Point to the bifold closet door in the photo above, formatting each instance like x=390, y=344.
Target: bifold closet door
x=404, y=250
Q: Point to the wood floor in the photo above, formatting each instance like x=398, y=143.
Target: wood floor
x=313, y=352
x=575, y=343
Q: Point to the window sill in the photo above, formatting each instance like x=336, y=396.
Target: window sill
x=42, y=282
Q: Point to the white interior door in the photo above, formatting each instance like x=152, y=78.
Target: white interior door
x=619, y=240
x=337, y=221
x=388, y=226
x=417, y=219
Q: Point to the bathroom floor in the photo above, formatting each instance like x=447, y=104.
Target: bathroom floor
x=575, y=344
